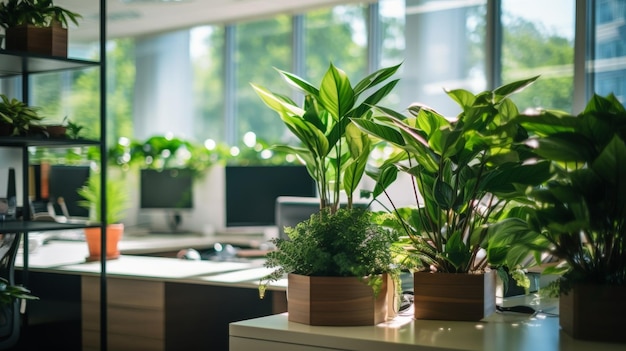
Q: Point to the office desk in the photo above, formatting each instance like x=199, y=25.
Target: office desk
x=153, y=303
x=499, y=332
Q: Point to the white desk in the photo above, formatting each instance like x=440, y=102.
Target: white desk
x=510, y=332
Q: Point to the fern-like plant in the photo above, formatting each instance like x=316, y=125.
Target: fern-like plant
x=350, y=243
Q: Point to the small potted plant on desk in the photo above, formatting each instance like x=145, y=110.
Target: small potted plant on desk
x=581, y=214
x=117, y=203
x=466, y=174
x=37, y=26
x=338, y=261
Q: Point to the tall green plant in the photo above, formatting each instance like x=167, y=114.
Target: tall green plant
x=335, y=241
x=581, y=212
x=334, y=151
x=116, y=201
x=467, y=174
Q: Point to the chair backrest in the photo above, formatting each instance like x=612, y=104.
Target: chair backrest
x=9, y=313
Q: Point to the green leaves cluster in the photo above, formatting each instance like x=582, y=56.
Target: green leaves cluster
x=18, y=116
x=8, y=293
x=348, y=243
x=468, y=173
x=40, y=13
x=117, y=200
x=581, y=211
x=334, y=151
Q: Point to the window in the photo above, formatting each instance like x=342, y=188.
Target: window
x=539, y=43
x=259, y=46
x=207, y=53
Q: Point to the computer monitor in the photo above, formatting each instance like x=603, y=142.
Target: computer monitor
x=251, y=192
x=170, y=190
x=63, y=183
x=291, y=210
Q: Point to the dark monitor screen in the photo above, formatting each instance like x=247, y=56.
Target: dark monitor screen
x=251, y=192
x=63, y=182
x=166, y=189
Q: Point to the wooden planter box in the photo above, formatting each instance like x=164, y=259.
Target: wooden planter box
x=39, y=40
x=594, y=312
x=454, y=296
x=335, y=301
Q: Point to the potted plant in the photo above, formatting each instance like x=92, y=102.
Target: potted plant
x=17, y=118
x=37, y=26
x=581, y=213
x=351, y=246
x=467, y=174
x=117, y=203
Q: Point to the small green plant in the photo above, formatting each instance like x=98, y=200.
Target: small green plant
x=116, y=201
x=40, y=13
x=20, y=117
x=73, y=129
x=8, y=293
x=348, y=243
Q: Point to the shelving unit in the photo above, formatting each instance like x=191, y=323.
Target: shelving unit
x=23, y=65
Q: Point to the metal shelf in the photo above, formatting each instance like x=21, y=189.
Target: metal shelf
x=14, y=63
x=17, y=226
x=20, y=141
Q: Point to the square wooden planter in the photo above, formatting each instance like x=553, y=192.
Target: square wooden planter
x=39, y=40
x=454, y=296
x=335, y=301
x=594, y=313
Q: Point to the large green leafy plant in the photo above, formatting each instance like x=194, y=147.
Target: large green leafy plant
x=335, y=241
x=467, y=174
x=581, y=212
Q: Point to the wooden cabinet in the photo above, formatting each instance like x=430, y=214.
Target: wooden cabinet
x=168, y=315
x=135, y=314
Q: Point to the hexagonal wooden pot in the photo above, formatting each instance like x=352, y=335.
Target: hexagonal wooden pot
x=454, y=296
x=335, y=301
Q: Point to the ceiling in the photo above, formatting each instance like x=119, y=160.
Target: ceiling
x=144, y=17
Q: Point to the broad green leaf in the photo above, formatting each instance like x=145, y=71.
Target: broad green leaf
x=511, y=88
x=275, y=103
x=299, y=83
x=375, y=78
x=336, y=93
x=463, y=97
x=380, y=131
x=373, y=99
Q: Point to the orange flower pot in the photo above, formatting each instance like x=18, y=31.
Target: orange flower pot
x=114, y=235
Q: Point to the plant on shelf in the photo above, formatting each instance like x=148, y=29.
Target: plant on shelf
x=340, y=240
x=117, y=202
x=581, y=213
x=467, y=174
x=40, y=13
x=36, y=26
x=17, y=118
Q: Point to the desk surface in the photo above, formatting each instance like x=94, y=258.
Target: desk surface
x=69, y=257
x=499, y=332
